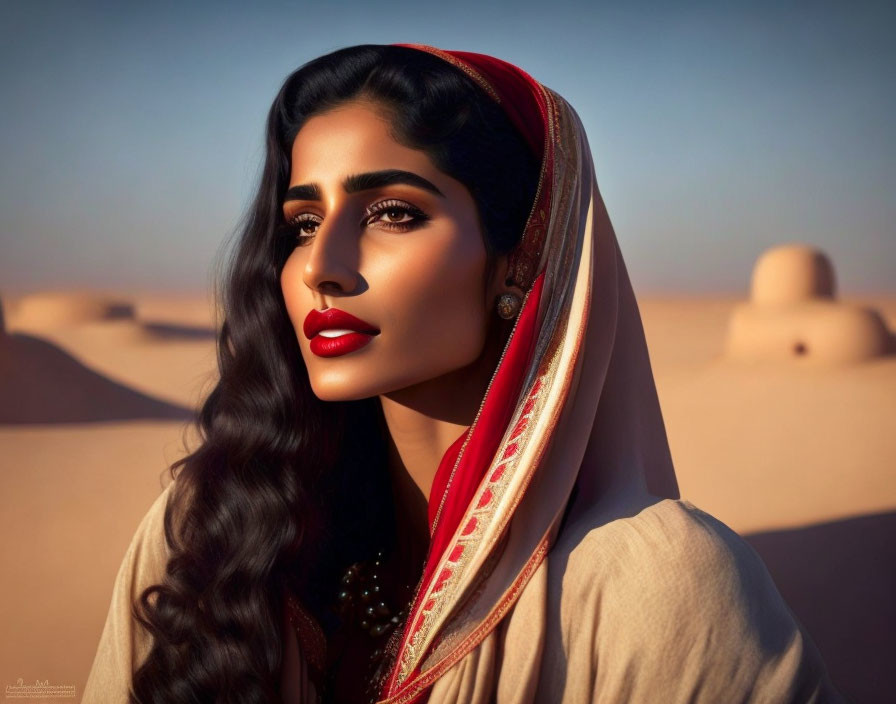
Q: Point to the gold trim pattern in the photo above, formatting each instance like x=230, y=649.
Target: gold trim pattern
x=416, y=686
x=525, y=258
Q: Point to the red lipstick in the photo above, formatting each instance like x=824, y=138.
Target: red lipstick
x=334, y=332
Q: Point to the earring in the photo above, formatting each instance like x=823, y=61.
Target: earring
x=509, y=305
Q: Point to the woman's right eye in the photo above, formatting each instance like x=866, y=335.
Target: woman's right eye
x=304, y=226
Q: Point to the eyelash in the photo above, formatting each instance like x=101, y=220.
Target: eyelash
x=295, y=223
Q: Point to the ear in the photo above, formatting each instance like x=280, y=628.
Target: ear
x=498, y=284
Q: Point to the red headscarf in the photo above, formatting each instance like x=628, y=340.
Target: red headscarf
x=572, y=402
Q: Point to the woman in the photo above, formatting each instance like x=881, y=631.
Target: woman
x=434, y=467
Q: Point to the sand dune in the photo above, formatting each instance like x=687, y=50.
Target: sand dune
x=163, y=348
x=44, y=384
x=67, y=308
x=74, y=307
x=95, y=392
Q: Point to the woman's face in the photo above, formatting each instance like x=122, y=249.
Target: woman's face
x=386, y=237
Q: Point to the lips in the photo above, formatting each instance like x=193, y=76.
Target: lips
x=334, y=332
x=335, y=319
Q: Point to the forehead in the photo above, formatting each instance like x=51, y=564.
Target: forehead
x=350, y=139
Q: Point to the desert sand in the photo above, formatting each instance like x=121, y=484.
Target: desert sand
x=796, y=454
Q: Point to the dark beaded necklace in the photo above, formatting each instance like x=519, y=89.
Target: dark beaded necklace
x=360, y=600
x=362, y=606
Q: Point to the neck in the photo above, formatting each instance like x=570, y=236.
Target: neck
x=422, y=422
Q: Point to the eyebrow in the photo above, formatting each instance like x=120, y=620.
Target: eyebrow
x=364, y=182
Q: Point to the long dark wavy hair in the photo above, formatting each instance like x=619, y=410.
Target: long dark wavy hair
x=277, y=498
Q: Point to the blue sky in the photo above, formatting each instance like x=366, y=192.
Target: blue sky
x=131, y=136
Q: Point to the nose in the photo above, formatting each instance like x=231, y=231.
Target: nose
x=332, y=263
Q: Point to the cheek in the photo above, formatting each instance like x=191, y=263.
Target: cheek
x=436, y=301
x=427, y=298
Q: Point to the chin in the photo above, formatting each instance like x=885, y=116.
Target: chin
x=340, y=390
x=339, y=386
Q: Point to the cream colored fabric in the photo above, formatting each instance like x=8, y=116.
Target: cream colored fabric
x=124, y=644
x=662, y=603
x=668, y=605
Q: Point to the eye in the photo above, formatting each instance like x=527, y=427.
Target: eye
x=396, y=215
x=304, y=223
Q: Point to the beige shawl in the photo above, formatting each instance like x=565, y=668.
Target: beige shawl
x=577, y=574
x=661, y=603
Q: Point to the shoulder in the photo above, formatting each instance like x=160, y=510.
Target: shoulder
x=672, y=563
x=675, y=595
x=154, y=517
x=657, y=561
x=146, y=557
x=124, y=643
x=669, y=545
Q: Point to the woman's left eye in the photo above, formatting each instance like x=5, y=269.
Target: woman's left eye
x=395, y=215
